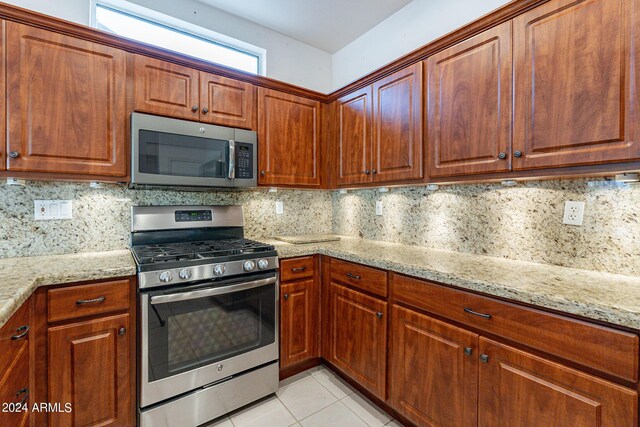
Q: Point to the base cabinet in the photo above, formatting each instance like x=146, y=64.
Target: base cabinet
x=298, y=322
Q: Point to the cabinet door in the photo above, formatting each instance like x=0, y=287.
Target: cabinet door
x=166, y=89
x=519, y=389
x=397, y=126
x=576, y=98
x=354, y=113
x=14, y=369
x=3, y=105
x=89, y=367
x=298, y=322
x=227, y=102
x=358, y=325
x=469, y=98
x=288, y=139
x=434, y=370
x=66, y=104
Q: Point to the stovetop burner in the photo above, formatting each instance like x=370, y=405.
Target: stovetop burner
x=198, y=250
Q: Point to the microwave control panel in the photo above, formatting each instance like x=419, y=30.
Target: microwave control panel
x=244, y=160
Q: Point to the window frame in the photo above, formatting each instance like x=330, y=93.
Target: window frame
x=184, y=27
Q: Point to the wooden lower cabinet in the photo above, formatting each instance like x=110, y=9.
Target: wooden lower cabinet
x=358, y=334
x=520, y=389
x=433, y=370
x=298, y=322
x=89, y=368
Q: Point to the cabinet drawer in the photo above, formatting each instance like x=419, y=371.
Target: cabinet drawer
x=87, y=300
x=14, y=387
x=604, y=349
x=366, y=278
x=296, y=268
x=13, y=337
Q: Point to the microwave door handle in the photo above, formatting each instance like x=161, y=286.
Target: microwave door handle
x=232, y=159
x=185, y=296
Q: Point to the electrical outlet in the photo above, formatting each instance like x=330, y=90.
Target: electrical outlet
x=52, y=209
x=379, y=207
x=279, y=207
x=573, y=213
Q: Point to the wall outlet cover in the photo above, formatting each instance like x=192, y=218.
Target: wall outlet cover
x=279, y=207
x=52, y=209
x=379, y=207
x=573, y=213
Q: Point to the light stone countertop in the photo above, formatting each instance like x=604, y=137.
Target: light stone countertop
x=21, y=276
x=612, y=298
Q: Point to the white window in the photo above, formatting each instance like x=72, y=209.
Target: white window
x=150, y=27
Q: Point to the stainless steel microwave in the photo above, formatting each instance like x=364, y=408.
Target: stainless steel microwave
x=179, y=153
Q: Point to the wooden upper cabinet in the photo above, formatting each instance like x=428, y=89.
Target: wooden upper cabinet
x=469, y=105
x=354, y=134
x=397, y=130
x=434, y=370
x=576, y=101
x=519, y=389
x=227, y=102
x=298, y=322
x=288, y=139
x=3, y=105
x=66, y=104
x=166, y=89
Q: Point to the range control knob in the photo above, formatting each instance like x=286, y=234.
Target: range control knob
x=262, y=264
x=249, y=265
x=185, y=274
x=218, y=269
x=166, y=277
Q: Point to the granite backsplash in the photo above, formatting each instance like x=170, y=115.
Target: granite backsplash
x=522, y=222
x=102, y=217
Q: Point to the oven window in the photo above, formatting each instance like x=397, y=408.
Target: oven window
x=185, y=335
x=178, y=155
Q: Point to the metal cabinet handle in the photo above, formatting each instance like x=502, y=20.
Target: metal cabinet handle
x=262, y=173
x=122, y=331
x=517, y=154
x=475, y=313
x=286, y=296
x=374, y=171
x=366, y=171
x=22, y=332
x=298, y=269
x=195, y=108
x=14, y=154
x=354, y=276
x=502, y=156
x=205, y=110
x=484, y=358
x=24, y=391
x=91, y=301
x=468, y=351
x=379, y=315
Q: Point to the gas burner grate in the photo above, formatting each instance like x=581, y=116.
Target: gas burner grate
x=207, y=249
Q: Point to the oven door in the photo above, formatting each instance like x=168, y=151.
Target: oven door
x=194, y=337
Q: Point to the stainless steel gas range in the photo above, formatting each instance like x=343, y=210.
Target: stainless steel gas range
x=208, y=316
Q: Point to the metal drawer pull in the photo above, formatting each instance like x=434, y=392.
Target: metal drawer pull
x=24, y=391
x=354, y=276
x=91, y=301
x=298, y=269
x=21, y=334
x=475, y=313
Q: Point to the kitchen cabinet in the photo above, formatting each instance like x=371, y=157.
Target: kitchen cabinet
x=168, y=89
x=433, y=371
x=358, y=337
x=469, y=105
x=3, y=93
x=289, y=133
x=299, y=311
x=65, y=104
x=14, y=369
x=517, y=388
x=379, y=136
x=575, y=74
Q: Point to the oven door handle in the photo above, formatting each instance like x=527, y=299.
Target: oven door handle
x=185, y=296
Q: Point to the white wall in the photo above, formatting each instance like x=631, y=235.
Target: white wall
x=288, y=60
x=413, y=26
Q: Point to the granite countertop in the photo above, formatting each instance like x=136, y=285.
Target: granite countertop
x=21, y=276
x=612, y=298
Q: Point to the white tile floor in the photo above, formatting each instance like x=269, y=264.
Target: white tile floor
x=314, y=398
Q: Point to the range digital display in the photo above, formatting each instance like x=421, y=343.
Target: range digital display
x=199, y=215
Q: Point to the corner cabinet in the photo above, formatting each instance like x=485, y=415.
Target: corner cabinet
x=379, y=135
x=289, y=134
x=66, y=104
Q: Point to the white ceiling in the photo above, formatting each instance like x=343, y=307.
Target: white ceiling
x=326, y=24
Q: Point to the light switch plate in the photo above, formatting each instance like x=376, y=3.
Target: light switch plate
x=379, y=207
x=573, y=213
x=52, y=209
x=279, y=207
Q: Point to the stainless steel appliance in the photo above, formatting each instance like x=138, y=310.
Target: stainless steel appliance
x=179, y=153
x=208, y=314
